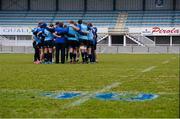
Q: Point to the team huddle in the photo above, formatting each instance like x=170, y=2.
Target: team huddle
x=71, y=41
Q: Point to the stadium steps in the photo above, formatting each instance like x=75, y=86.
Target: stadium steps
x=141, y=40
x=122, y=17
x=134, y=39
x=101, y=37
x=3, y=38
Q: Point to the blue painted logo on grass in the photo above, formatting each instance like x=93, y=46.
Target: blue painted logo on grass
x=105, y=96
x=68, y=95
x=126, y=96
x=63, y=95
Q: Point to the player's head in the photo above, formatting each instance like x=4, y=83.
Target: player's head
x=57, y=23
x=61, y=24
x=90, y=24
x=40, y=23
x=65, y=26
x=44, y=25
x=51, y=25
x=71, y=22
x=80, y=21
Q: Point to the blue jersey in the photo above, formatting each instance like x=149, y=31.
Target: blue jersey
x=94, y=31
x=48, y=35
x=90, y=35
x=83, y=28
x=35, y=37
x=60, y=31
x=72, y=34
x=40, y=33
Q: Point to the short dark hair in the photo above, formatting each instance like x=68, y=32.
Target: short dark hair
x=57, y=23
x=71, y=21
x=61, y=24
x=80, y=21
x=51, y=25
x=90, y=24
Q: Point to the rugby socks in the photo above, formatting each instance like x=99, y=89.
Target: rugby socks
x=50, y=57
x=36, y=55
x=74, y=56
x=77, y=57
x=46, y=57
x=86, y=57
x=90, y=57
x=93, y=56
x=83, y=56
x=71, y=56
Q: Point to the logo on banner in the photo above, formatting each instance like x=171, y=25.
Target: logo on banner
x=147, y=32
x=15, y=30
x=165, y=30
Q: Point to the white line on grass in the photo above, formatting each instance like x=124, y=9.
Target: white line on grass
x=87, y=97
x=165, y=62
x=173, y=58
x=168, y=93
x=148, y=69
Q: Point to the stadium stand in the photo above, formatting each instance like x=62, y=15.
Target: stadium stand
x=103, y=19
x=153, y=18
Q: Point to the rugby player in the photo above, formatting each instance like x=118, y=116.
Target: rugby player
x=72, y=37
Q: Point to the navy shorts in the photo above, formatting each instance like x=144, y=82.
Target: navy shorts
x=85, y=42
x=48, y=44
x=72, y=43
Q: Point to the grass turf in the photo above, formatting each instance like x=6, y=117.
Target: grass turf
x=22, y=84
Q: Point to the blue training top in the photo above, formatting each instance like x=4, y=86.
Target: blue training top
x=60, y=31
x=48, y=35
x=72, y=34
x=83, y=28
x=35, y=37
x=90, y=35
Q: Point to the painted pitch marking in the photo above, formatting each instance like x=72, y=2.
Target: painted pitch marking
x=148, y=69
x=165, y=62
x=87, y=97
x=173, y=58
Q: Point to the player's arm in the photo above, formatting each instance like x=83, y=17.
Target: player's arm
x=56, y=35
x=75, y=27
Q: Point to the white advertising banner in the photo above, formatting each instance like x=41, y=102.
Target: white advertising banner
x=27, y=30
x=15, y=31
x=102, y=30
x=156, y=31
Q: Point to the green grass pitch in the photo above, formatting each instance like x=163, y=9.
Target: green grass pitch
x=22, y=84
